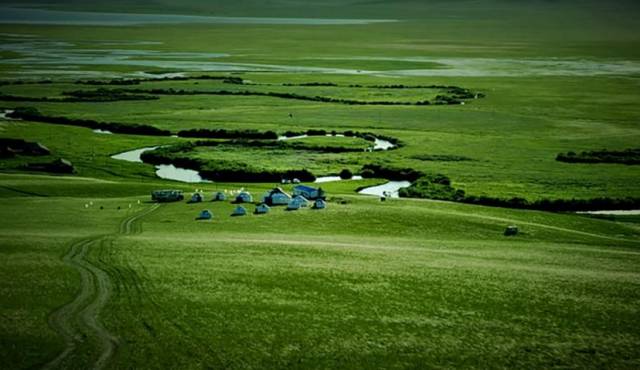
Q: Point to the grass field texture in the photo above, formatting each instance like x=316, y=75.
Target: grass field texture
x=94, y=275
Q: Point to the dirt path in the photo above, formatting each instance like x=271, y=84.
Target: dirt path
x=78, y=321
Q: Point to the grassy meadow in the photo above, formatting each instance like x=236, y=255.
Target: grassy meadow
x=94, y=275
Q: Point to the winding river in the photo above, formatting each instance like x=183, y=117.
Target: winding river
x=163, y=171
x=171, y=172
x=4, y=113
x=378, y=144
x=390, y=189
x=630, y=212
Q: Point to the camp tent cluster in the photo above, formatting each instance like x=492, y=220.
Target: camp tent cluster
x=239, y=196
x=302, y=197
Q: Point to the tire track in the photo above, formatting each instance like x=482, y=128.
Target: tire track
x=78, y=321
x=130, y=276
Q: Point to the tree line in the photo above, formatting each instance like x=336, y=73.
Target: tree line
x=439, y=100
x=221, y=170
x=32, y=114
x=138, y=81
x=628, y=156
x=439, y=187
x=94, y=96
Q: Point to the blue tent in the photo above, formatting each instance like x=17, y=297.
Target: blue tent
x=239, y=211
x=205, y=215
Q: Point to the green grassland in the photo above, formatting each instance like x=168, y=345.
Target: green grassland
x=561, y=113
x=94, y=275
x=237, y=292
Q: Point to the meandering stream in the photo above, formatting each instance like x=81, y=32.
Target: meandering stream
x=390, y=189
x=629, y=212
x=163, y=171
x=171, y=172
x=378, y=144
x=4, y=113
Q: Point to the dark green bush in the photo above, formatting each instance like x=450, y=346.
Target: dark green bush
x=346, y=174
x=628, y=156
x=32, y=114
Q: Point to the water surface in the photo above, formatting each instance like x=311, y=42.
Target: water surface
x=58, y=17
x=323, y=179
x=163, y=171
x=378, y=144
x=630, y=212
x=389, y=189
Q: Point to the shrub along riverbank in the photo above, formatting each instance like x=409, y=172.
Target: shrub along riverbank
x=456, y=92
x=390, y=173
x=12, y=147
x=629, y=157
x=282, y=145
x=439, y=187
x=219, y=170
x=438, y=100
x=369, y=136
x=225, y=170
x=32, y=114
x=91, y=96
x=228, y=134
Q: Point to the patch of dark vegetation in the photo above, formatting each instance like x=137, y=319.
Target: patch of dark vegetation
x=115, y=82
x=369, y=136
x=390, y=173
x=314, y=132
x=440, y=158
x=316, y=148
x=95, y=96
x=635, y=219
x=22, y=82
x=61, y=166
x=312, y=84
x=455, y=91
x=138, y=81
x=281, y=145
x=106, y=95
x=363, y=135
x=12, y=147
x=433, y=187
x=440, y=99
x=220, y=170
x=446, y=100
x=628, y=157
x=294, y=133
x=32, y=114
x=346, y=174
x=228, y=134
x=558, y=205
x=439, y=187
